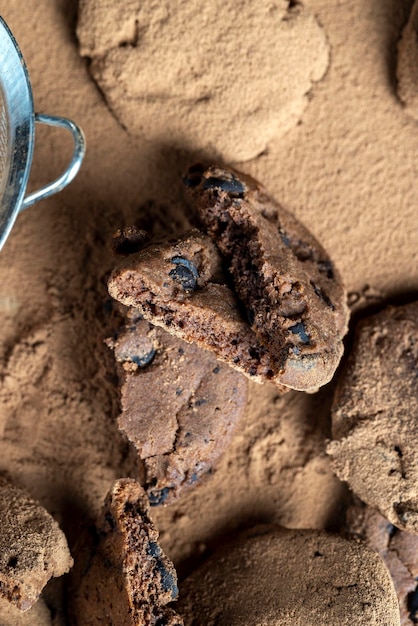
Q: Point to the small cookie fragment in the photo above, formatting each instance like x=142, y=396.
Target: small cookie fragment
x=180, y=406
x=33, y=548
x=280, y=577
x=407, y=64
x=286, y=280
x=375, y=416
x=398, y=549
x=178, y=284
x=128, y=580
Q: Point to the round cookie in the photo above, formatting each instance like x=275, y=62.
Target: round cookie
x=179, y=285
x=398, y=549
x=180, y=406
x=224, y=76
x=282, y=275
x=290, y=578
x=375, y=415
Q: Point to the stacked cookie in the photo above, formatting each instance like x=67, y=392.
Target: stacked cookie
x=256, y=288
x=249, y=293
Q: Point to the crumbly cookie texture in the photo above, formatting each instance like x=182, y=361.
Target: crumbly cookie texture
x=280, y=577
x=375, y=415
x=179, y=284
x=407, y=68
x=128, y=580
x=180, y=406
x=292, y=291
x=33, y=548
x=398, y=549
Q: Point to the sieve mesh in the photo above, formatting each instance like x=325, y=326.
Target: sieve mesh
x=3, y=141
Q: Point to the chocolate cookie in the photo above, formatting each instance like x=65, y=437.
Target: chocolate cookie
x=32, y=547
x=179, y=284
x=289, y=286
x=290, y=577
x=128, y=580
x=398, y=549
x=180, y=406
x=375, y=416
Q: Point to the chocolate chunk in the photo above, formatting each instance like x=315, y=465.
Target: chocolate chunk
x=185, y=273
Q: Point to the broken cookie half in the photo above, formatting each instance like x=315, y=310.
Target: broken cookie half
x=179, y=284
x=293, y=294
x=128, y=580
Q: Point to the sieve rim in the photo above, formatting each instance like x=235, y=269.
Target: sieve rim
x=19, y=108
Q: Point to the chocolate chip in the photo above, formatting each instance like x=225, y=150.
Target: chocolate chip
x=232, y=186
x=299, y=330
x=321, y=294
x=185, y=273
x=284, y=238
x=326, y=267
x=142, y=360
x=159, y=496
x=153, y=549
x=168, y=582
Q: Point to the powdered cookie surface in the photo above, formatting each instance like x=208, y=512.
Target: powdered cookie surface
x=375, y=416
x=32, y=547
x=407, y=65
x=179, y=284
x=237, y=76
x=290, y=578
x=286, y=280
x=180, y=406
x=398, y=549
x=128, y=579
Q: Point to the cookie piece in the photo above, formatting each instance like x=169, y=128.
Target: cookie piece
x=280, y=577
x=407, y=66
x=128, y=579
x=180, y=406
x=375, y=416
x=286, y=280
x=179, y=284
x=33, y=548
x=398, y=549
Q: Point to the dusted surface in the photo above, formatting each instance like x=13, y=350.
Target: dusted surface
x=348, y=171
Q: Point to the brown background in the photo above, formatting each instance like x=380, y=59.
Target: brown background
x=348, y=170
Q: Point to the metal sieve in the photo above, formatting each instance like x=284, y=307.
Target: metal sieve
x=17, y=136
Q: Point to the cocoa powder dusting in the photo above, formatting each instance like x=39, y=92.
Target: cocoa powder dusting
x=325, y=133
